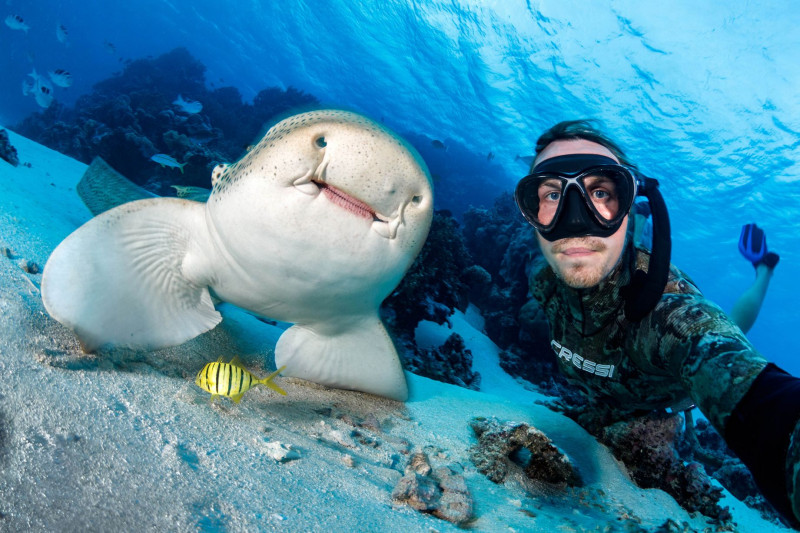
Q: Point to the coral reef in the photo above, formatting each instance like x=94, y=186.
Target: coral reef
x=131, y=116
x=435, y=284
x=656, y=451
x=702, y=443
x=504, y=246
x=440, y=491
x=505, y=446
x=646, y=445
x=7, y=151
x=451, y=363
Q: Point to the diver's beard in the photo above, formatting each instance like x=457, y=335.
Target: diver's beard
x=580, y=272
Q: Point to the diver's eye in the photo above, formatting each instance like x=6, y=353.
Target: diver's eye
x=552, y=196
x=416, y=200
x=320, y=142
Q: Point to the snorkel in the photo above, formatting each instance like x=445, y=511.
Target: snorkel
x=645, y=289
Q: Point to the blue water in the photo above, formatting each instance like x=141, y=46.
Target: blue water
x=703, y=95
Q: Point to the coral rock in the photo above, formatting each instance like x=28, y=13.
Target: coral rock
x=7, y=152
x=419, y=492
x=442, y=491
x=451, y=363
x=646, y=445
x=499, y=443
x=418, y=464
x=456, y=503
x=433, y=287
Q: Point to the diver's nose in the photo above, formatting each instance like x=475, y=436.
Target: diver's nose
x=575, y=215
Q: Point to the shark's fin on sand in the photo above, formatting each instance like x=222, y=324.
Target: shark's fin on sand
x=132, y=276
x=358, y=355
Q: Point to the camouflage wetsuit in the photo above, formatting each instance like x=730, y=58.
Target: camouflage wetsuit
x=685, y=348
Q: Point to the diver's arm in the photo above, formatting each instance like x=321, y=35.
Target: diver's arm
x=763, y=431
x=753, y=246
x=746, y=309
x=754, y=404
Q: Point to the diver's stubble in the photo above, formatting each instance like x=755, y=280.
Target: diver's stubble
x=580, y=262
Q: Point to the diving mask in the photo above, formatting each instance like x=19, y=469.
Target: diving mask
x=577, y=195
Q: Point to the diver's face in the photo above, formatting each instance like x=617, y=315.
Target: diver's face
x=582, y=262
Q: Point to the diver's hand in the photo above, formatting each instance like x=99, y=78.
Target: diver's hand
x=753, y=246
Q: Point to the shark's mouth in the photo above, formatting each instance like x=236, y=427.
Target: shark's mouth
x=349, y=203
x=384, y=226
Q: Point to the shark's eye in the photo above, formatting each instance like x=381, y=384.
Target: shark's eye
x=416, y=200
x=320, y=141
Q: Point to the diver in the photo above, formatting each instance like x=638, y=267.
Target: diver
x=752, y=245
x=632, y=331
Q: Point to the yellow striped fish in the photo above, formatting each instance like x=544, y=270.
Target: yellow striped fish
x=232, y=380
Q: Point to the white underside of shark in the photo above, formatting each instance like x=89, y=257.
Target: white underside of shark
x=316, y=226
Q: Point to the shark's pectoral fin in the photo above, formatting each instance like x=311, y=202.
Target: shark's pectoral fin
x=358, y=356
x=122, y=279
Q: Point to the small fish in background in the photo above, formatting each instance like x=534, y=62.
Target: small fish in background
x=439, y=145
x=232, y=380
x=61, y=77
x=62, y=35
x=196, y=194
x=15, y=22
x=167, y=161
x=110, y=48
x=188, y=106
x=489, y=156
x=43, y=95
x=39, y=88
x=527, y=160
